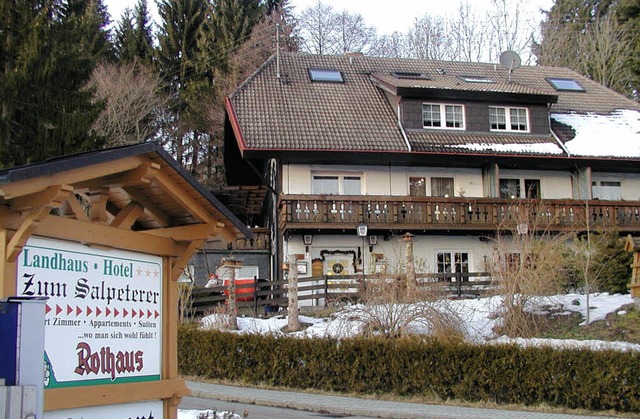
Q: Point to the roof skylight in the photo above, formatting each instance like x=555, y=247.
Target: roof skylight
x=477, y=79
x=326, y=75
x=565, y=84
x=410, y=75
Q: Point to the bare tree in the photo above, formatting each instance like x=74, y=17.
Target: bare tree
x=557, y=47
x=321, y=30
x=526, y=260
x=316, y=29
x=132, y=102
x=597, y=40
x=391, y=46
x=427, y=38
x=241, y=63
x=603, y=52
x=293, y=308
x=511, y=29
x=353, y=35
x=469, y=34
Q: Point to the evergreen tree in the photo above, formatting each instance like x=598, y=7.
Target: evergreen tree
x=593, y=38
x=233, y=22
x=612, y=263
x=47, y=112
x=184, y=29
x=628, y=13
x=195, y=39
x=133, y=35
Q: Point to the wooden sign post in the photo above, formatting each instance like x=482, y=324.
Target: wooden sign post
x=104, y=237
x=633, y=245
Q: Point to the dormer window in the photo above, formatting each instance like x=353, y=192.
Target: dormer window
x=476, y=79
x=569, y=85
x=437, y=115
x=410, y=75
x=327, y=75
x=509, y=119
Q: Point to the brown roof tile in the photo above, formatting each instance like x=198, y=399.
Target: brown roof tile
x=435, y=141
x=455, y=82
x=297, y=114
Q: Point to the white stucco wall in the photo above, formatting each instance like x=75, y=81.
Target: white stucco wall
x=629, y=182
x=554, y=185
x=425, y=249
x=381, y=180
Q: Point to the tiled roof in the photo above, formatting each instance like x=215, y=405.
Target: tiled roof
x=433, y=141
x=454, y=82
x=616, y=134
x=297, y=114
x=294, y=113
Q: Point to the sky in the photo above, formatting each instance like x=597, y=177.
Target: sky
x=377, y=13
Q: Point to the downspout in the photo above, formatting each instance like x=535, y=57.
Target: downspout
x=404, y=134
x=562, y=146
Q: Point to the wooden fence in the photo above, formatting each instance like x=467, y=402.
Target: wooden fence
x=263, y=297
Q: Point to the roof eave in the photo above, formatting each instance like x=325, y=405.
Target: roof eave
x=77, y=161
x=509, y=97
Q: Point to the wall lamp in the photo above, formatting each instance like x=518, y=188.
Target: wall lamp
x=308, y=240
x=373, y=240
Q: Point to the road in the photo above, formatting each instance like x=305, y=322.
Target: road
x=256, y=412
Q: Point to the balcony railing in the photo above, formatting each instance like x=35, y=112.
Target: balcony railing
x=261, y=240
x=432, y=213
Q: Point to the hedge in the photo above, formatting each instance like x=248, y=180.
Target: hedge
x=504, y=374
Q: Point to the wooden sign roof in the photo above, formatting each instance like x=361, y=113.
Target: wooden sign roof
x=632, y=244
x=140, y=189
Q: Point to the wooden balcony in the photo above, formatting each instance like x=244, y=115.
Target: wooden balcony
x=261, y=241
x=339, y=212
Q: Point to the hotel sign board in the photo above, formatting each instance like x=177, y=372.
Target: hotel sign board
x=103, y=317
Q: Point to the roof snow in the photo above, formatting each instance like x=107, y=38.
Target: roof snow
x=540, y=148
x=613, y=135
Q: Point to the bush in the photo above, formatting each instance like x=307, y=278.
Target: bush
x=417, y=366
x=613, y=263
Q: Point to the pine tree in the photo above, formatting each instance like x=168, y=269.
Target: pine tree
x=47, y=112
x=20, y=20
x=133, y=35
x=593, y=38
x=628, y=12
x=184, y=28
x=196, y=38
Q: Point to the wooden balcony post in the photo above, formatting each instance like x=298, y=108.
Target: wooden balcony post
x=409, y=266
x=633, y=245
x=232, y=264
x=293, y=320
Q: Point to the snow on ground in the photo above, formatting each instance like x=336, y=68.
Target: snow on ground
x=206, y=414
x=478, y=320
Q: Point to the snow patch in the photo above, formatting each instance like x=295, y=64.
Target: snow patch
x=613, y=135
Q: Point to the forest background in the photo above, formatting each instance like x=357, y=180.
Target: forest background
x=73, y=80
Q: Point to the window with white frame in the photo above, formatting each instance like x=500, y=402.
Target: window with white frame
x=606, y=189
x=336, y=184
x=520, y=188
x=451, y=262
x=435, y=115
x=508, y=119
